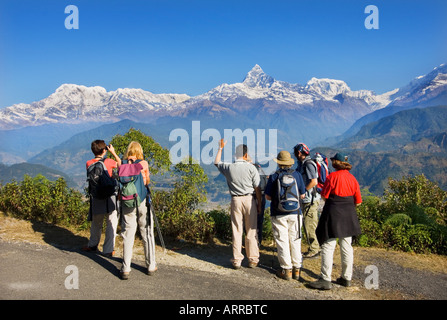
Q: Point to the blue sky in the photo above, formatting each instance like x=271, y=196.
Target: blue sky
x=191, y=46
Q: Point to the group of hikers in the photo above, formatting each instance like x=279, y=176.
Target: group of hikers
x=294, y=195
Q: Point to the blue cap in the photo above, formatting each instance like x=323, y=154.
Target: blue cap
x=340, y=157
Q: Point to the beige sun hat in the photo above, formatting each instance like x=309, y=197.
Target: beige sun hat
x=284, y=158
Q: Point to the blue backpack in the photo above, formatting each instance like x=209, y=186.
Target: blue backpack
x=286, y=194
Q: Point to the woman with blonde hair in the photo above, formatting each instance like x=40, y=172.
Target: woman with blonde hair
x=133, y=216
x=341, y=192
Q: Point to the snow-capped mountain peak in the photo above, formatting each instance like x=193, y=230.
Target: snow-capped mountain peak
x=327, y=87
x=423, y=80
x=74, y=95
x=78, y=103
x=256, y=77
x=422, y=88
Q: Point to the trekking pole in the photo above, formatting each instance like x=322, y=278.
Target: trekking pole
x=157, y=225
x=304, y=225
x=273, y=258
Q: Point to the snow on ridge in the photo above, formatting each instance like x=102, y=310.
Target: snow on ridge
x=71, y=102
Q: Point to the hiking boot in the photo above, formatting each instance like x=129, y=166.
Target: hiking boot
x=90, y=249
x=310, y=255
x=285, y=274
x=151, y=272
x=236, y=266
x=109, y=254
x=321, y=284
x=252, y=264
x=124, y=275
x=296, y=273
x=343, y=282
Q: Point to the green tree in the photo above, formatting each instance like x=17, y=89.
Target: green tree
x=192, y=180
x=156, y=156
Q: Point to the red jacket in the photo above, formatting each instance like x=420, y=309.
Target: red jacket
x=342, y=183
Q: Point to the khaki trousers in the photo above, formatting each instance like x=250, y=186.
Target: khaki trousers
x=310, y=216
x=243, y=211
x=129, y=227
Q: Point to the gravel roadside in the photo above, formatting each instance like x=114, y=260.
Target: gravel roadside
x=30, y=252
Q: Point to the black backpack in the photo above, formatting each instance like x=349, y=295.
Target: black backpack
x=100, y=184
x=262, y=176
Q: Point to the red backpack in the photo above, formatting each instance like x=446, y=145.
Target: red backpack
x=322, y=168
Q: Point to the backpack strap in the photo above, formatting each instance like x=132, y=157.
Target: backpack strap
x=100, y=161
x=314, y=189
x=312, y=161
x=90, y=210
x=131, y=161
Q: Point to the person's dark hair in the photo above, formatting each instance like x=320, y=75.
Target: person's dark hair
x=341, y=165
x=98, y=147
x=241, y=150
x=295, y=153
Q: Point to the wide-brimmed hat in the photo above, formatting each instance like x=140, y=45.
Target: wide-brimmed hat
x=340, y=157
x=284, y=158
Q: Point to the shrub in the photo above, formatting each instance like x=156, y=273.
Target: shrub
x=372, y=234
x=398, y=219
x=267, y=231
x=410, y=217
x=371, y=216
x=41, y=199
x=439, y=239
x=418, y=191
x=411, y=238
x=10, y=198
x=195, y=226
x=177, y=208
x=372, y=208
x=222, y=223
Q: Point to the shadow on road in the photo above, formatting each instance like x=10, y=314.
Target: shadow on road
x=66, y=240
x=219, y=254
